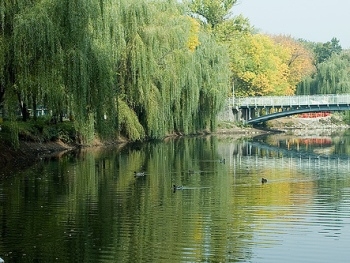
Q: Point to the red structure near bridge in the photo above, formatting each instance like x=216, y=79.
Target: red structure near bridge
x=315, y=114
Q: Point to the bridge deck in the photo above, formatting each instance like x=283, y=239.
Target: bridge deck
x=261, y=109
x=285, y=101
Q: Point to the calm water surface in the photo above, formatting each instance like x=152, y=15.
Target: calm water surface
x=88, y=206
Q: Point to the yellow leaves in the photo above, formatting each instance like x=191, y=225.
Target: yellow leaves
x=193, y=40
x=298, y=59
x=258, y=62
x=266, y=65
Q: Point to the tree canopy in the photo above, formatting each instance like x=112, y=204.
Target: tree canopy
x=131, y=67
x=332, y=76
x=332, y=66
x=212, y=12
x=261, y=64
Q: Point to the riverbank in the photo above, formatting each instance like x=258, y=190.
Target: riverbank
x=30, y=151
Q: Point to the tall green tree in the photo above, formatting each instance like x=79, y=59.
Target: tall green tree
x=213, y=12
x=62, y=59
x=162, y=77
x=324, y=51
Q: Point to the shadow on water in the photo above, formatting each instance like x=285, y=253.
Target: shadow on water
x=89, y=206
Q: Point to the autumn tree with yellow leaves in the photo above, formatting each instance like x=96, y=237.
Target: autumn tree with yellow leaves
x=300, y=60
x=262, y=64
x=258, y=66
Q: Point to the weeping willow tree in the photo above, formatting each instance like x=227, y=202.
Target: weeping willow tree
x=130, y=67
x=88, y=64
x=9, y=91
x=2, y=66
x=62, y=58
x=170, y=84
x=332, y=76
x=214, y=72
x=36, y=57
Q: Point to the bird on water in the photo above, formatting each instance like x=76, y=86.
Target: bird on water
x=175, y=187
x=263, y=180
x=139, y=174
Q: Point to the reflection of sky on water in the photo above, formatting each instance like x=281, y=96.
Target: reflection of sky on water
x=304, y=211
x=305, y=245
x=318, y=166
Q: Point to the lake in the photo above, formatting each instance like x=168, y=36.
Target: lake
x=88, y=206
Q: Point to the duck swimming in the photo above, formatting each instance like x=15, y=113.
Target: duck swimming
x=175, y=187
x=139, y=174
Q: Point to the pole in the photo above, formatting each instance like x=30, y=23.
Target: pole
x=233, y=93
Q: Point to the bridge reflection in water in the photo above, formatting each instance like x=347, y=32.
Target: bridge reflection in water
x=264, y=155
x=260, y=109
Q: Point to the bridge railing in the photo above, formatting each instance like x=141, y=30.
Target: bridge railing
x=285, y=101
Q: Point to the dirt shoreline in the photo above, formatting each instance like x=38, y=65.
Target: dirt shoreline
x=29, y=152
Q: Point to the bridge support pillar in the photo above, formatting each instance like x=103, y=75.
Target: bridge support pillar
x=245, y=114
x=227, y=114
x=237, y=114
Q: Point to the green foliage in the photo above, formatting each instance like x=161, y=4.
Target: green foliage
x=37, y=131
x=214, y=72
x=346, y=117
x=14, y=131
x=233, y=28
x=128, y=122
x=142, y=69
x=324, y=51
x=332, y=69
x=213, y=11
x=2, y=60
x=242, y=124
x=332, y=76
x=164, y=81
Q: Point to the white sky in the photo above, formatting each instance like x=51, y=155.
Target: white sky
x=313, y=20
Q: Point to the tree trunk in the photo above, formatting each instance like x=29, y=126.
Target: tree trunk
x=34, y=107
x=2, y=93
x=23, y=107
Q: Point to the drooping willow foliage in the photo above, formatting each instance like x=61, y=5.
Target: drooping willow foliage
x=332, y=76
x=133, y=67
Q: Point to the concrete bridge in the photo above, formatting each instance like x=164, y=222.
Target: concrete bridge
x=254, y=110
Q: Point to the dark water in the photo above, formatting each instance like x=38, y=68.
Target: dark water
x=88, y=206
